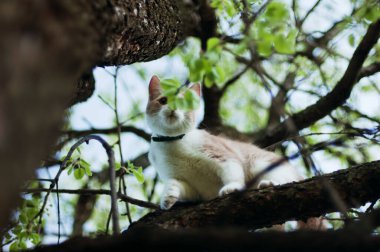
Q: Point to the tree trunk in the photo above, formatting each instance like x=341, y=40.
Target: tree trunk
x=46, y=46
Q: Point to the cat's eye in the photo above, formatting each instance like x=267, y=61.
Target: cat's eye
x=163, y=100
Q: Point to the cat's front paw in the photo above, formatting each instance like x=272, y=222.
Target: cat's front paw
x=231, y=187
x=167, y=202
x=265, y=183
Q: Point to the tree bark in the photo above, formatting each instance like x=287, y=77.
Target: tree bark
x=228, y=239
x=255, y=209
x=46, y=46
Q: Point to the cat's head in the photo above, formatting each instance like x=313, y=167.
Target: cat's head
x=161, y=119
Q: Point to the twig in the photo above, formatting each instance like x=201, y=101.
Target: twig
x=79, y=133
x=122, y=185
x=151, y=194
x=309, y=12
x=121, y=196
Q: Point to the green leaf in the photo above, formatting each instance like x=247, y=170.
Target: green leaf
x=372, y=13
x=88, y=171
x=208, y=83
x=70, y=170
x=31, y=212
x=351, y=40
x=79, y=173
x=286, y=44
x=8, y=236
x=180, y=103
x=170, y=84
x=84, y=163
x=192, y=99
x=35, y=238
x=130, y=165
x=22, y=245
x=17, y=230
x=23, y=218
x=264, y=48
x=117, y=166
x=220, y=73
x=212, y=44
x=14, y=246
x=277, y=11
x=23, y=235
x=195, y=76
x=139, y=175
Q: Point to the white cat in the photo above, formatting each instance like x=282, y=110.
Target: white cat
x=198, y=166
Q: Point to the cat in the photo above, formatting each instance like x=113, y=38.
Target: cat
x=198, y=166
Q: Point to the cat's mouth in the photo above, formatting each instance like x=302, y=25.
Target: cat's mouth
x=172, y=116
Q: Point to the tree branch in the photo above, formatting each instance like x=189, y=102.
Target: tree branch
x=129, y=129
x=228, y=239
x=121, y=196
x=369, y=70
x=332, y=100
x=266, y=207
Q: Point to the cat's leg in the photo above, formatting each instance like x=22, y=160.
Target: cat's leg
x=232, y=175
x=177, y=190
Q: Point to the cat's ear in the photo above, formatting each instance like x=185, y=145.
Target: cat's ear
x=154, y=88
x=197, y=88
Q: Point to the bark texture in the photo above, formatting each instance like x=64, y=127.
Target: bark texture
x=223, y=240
x=262, y=208
x=46, y=46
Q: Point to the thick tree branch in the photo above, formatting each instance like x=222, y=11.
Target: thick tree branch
x=261, y=208
x=229, y=239
x=332, y=100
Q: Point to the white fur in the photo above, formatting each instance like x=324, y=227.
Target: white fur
x=283, y=173
x=183, y=161
x=161, y=124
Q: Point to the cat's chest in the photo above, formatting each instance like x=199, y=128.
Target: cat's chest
x=182, y=159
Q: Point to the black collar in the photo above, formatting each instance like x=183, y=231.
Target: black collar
x=159, y=138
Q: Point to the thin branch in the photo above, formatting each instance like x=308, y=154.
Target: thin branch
x=369, y=70
x=234, y=79
x=129, y=129
x=121, y=196
x=122, y=184
x=309, y=12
